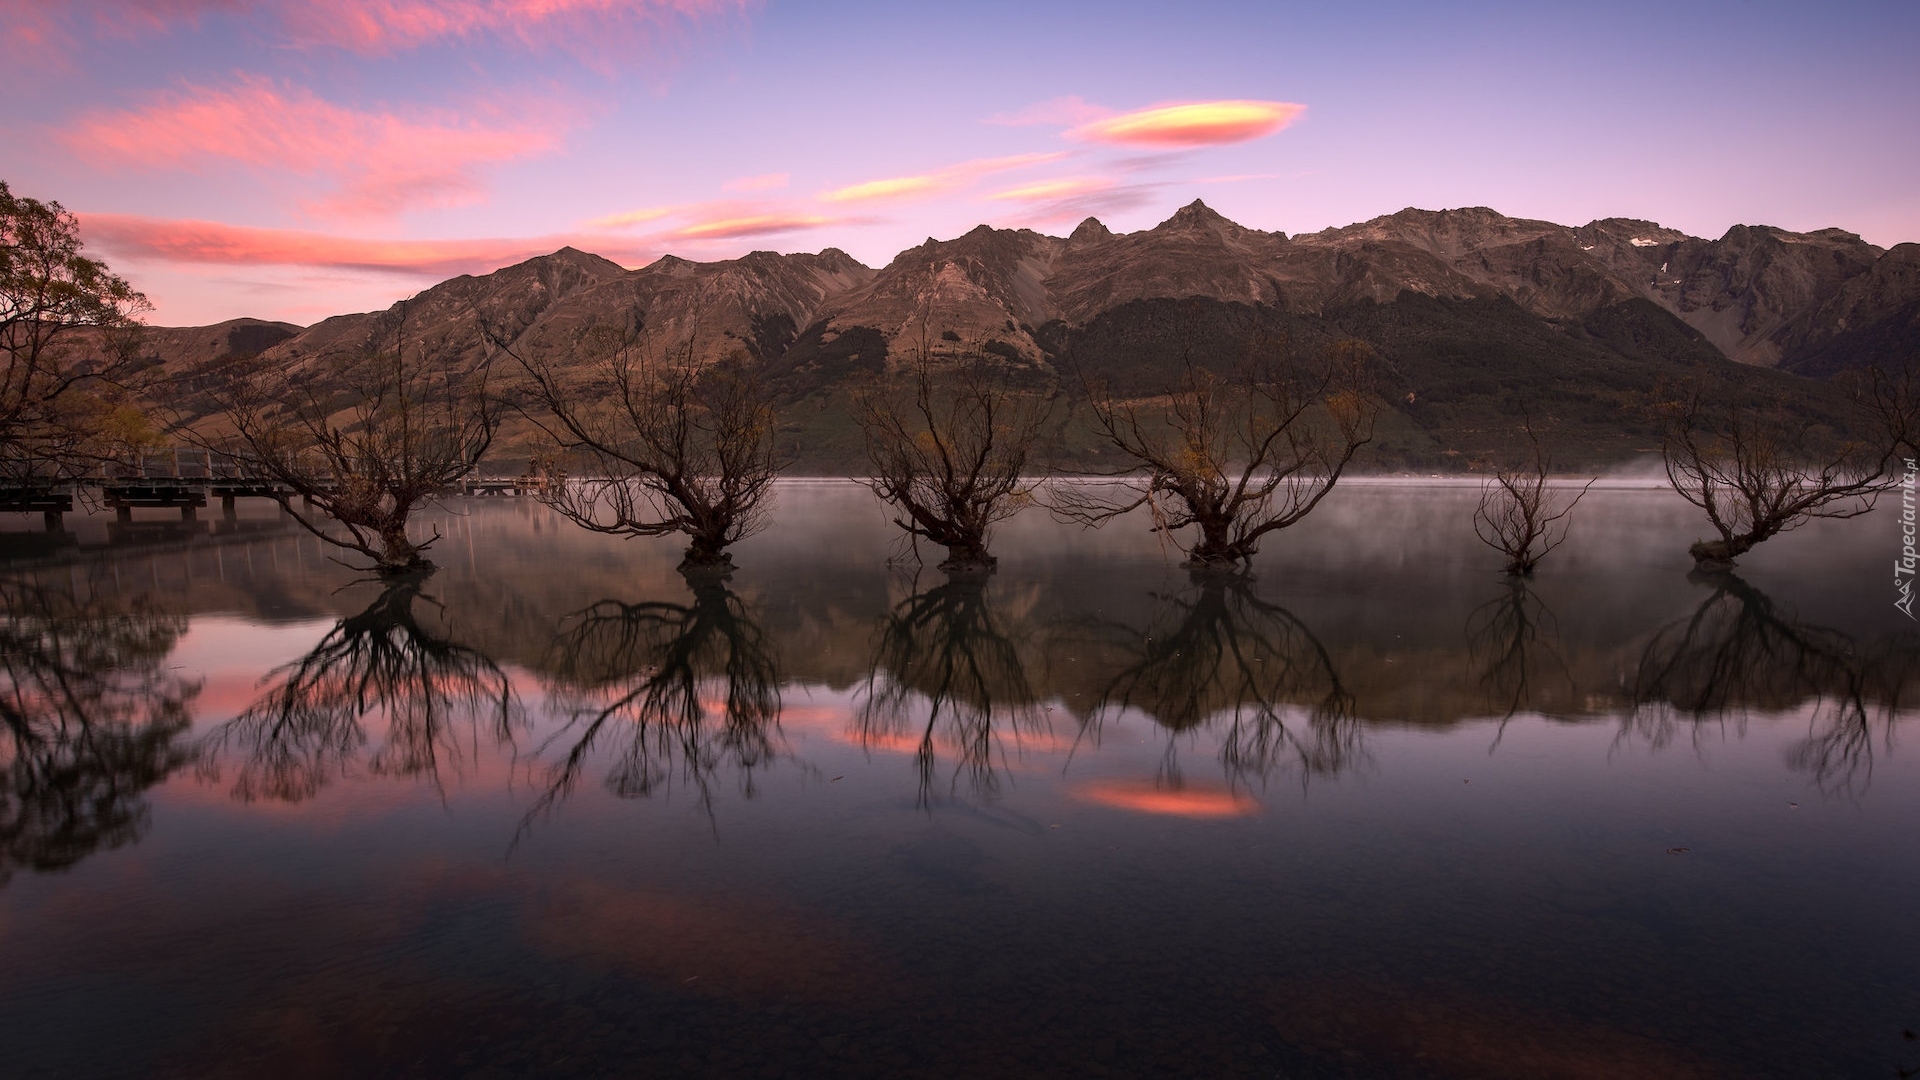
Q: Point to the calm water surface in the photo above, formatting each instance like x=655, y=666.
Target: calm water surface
x=1374, y=812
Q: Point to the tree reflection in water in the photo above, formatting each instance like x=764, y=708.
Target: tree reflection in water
x=1740, y=651
x=1218, y=656
x=1513, y=644
x=638, y=672
x=90, y=718
x=422, y=695
x=947, y=648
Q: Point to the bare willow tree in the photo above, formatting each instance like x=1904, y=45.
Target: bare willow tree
x=1755, y=474
x=366, y=437
x=67, y=333
x=949, y=450
x=1521, y=515
x=1236, y=456
x=661, y=445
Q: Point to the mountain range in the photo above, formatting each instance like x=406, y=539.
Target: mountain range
x=1476, y=318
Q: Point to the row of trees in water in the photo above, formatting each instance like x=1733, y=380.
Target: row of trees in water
x=657, y=443
x=661, y=445
x=654, y=443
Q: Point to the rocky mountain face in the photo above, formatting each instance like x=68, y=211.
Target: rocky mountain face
x=1473, y=314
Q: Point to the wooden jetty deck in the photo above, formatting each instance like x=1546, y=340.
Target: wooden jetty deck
x=187, y=479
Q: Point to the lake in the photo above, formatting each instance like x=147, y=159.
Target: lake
x=1374, y=812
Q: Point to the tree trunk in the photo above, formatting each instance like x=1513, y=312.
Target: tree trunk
x=968, y=559
x=707, y=556
x=1719, y=554
x=1216, y=550
x=399, y=555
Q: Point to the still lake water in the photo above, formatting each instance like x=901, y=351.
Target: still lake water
x=1375, y=813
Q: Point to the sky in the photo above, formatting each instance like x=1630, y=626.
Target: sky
x=294, y=160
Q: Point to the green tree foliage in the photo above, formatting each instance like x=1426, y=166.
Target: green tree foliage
x=68, y=335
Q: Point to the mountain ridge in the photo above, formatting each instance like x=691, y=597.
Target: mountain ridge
x=1761, y=294
x=1476, y=317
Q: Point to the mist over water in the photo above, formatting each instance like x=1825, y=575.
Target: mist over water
x=1374, y=811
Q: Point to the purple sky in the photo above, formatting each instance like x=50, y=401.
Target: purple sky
x=295, y=160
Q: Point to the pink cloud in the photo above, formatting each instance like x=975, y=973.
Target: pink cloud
x=720, y=220
x=386, y=26
x=34, y=39
x=383, y=162
x=213, y=243
x=208, y=242
x=761, y=224
x=1046, y=190
x=905, y=188
x=763, y=182
x=1069, y=111
x=382, y=27
x=629, y=218
x=1191, y=124
x=1039, y=209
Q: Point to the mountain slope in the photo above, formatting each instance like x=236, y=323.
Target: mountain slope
x=1474, y=316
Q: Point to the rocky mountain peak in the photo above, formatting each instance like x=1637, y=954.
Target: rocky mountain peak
x=1195, y=215
x=833, y=260
x=1090, y=231
x=670, y=264
x=1760, y=294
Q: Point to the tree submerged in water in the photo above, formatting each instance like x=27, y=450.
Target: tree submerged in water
x=1520, y=514
x=366, y=437
x=949, y=451
x=660, y=445
x=1236, y=456
x=1757, y=472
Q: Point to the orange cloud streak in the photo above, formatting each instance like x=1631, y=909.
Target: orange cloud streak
x=1054, y=189
x=179, y=241
x=1190, y=124
x=902, y=188
x=384, y=162
x=1146, y=798
x=725, y=228
x=634, y=217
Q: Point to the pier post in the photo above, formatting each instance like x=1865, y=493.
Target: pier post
x=123, y=513
x=226, y=508
x=52, y=519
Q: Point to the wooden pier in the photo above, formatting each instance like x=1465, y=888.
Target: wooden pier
x=187, y=479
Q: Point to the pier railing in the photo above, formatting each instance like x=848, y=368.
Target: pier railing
x=187, y=478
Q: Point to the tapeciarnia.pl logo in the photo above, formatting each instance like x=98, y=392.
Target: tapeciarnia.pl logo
x=1903, y=567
